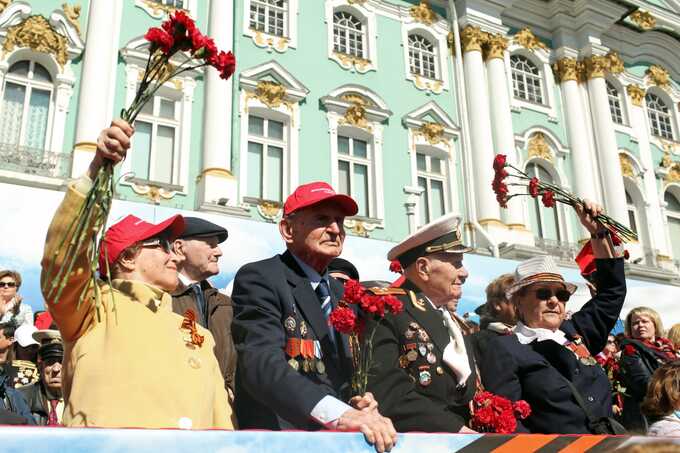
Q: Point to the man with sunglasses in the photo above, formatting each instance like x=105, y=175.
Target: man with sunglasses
x=549, y=361
x=130, y=362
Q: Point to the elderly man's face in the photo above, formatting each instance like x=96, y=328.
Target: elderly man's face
x=445, y=278
x=51, y=374
x=199, y=256
x=315, y=233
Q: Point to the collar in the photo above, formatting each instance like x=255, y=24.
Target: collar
x=183, y=279
x=311, y=273
x=153, y=298
x=526, y=335
x=499, y=327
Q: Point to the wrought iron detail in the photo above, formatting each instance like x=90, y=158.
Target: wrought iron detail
x=34, y=161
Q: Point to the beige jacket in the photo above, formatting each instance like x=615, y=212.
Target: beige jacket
x=132, y=365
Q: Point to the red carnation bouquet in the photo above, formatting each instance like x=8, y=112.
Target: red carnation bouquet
x=549, y=193
x=495, y=414
x=612, y=367
x=177, y=37
x=345, y=320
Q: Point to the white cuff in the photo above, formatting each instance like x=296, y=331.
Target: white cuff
x=328, y=411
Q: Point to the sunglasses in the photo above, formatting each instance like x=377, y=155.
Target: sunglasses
x=544, y=294
x=8, y=284
x=161, y=243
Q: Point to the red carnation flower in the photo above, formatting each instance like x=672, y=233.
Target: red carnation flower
x=374, y=305
x=548, y=199
x=616, y=240
x=224, y=62
x=533, y=187
x=499, y=162
x=629, y=349
x=354, y=291
x=522, y=409
x=343, y=320
x=159, y=39
x=626, y=255
x=393, y=304
x=395, y=266
x=181, y=27
x=502, y=200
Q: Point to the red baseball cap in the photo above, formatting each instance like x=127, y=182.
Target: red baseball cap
x=316, y=192
x=131, y=230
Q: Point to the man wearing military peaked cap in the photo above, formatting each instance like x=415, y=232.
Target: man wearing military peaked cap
x=424, y=373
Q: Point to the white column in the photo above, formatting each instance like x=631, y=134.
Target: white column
x=501, y=119
x=97, y=79
x=653, y=208
x=488, y=211
x=217, y=183
x=582, y=168
x=607, y=148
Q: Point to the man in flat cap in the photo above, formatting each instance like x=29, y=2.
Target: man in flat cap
x=424, y=372
x=45, y=397
x=343, y=270
x=131, y=362
x=198, y=251
x=293, y=368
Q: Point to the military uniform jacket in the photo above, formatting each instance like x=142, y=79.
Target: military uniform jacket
x=537, y=372
x=274, y=304
x=411, y=383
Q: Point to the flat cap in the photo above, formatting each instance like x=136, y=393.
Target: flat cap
x=197, y=227
x=440, y=235
x=345, y=267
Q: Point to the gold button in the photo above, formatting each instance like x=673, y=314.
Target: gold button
x=440, y=370
x=194, y=362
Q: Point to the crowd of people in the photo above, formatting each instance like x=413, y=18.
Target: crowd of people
x=152, y=344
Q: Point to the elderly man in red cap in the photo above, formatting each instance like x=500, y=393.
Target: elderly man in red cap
x=293, y=369
x=131, y=362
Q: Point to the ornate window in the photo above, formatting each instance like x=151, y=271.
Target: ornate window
x=526, y=79
x=431, y=173
x=614, y=103
x=156, y=141
x=269, y=16
x=267, y=152
x=659, y=116
x=422, y=56
x=180, y=4
x=544, y=222
x=354, y=170
x=26, y=106
x=673, y=219
x=632, y=213
x=349, y=35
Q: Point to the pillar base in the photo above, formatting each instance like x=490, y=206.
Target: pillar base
x=217, y=186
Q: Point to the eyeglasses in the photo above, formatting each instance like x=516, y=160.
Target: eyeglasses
x=544, y=294
x=8, y=284
x=162, y=243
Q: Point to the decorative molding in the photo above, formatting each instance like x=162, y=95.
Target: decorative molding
x=538, y=147
x=432, y=132
x=627, y=166
x=473, y=38
x=568, y=68
x=355, y=115
x=356, y=2
x=360, y=227
x=270, y=94
x=596, y=66
x=278, y=43
x=4, y=4
x=154, y=8
x=350, y=61
x=152, y=192
x=643, y=19
x=269, y=210
x=37, y=34
x=658, y=76
x=72, y=14
x=495, y=47
x=636, y=94
x=434, y=86
x=673, y=173
x=423, y=13
x=526, y=38
x=615, y=63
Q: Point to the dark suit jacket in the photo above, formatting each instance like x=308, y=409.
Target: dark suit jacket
x=270, y=394
x=439, y=406
x=38, y=403
x=537, y=372
x=220, y=313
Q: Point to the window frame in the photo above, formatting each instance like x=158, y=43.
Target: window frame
x=266, y=40
x=614, y=96
x=266, y=142
x=525, y=78
x=675, y=215
x=30, y=84
x=361, y=33
x=353, y=160
x=433, y=54
x=540, y=58
x=364, y=13
x=443, y=177
x=667, y=114
x=562, y=233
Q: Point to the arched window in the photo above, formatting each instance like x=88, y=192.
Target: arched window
x=673, y=218
x=269, y=16
x=614, y=103
x=348, y=35
x=632, y=213
x=431, y=173
x=422, y=56
x=26, y=105
x=544, y=222
x=526, y=79
x=659, y=116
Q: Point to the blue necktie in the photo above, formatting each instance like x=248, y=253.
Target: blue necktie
x=200, y=303
x=324, y=296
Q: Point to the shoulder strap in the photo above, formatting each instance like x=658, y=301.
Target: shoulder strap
x=579, y=400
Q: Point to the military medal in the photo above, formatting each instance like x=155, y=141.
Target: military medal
x=413, y=326
x=409, y=334
x=412, y=355
x=307, y=352
x=424, y=377
x=581, y=352
x=431, y=358
x=294, y=364
x=320, y=367
x=289, y=324
x=440, y=370
x=589, y=361
x=423, y=336
x=403, y=361
x=303, y=328
x=422, y=349
x=293, y=347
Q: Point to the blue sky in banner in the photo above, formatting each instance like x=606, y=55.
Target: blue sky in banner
x=28, y=211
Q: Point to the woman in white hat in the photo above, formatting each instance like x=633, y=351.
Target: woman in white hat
x=549, y=360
